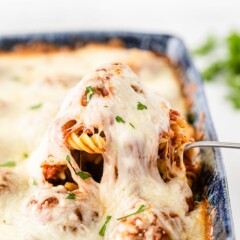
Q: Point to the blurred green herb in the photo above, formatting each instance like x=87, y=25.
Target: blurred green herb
x=196, y=197
x=35, y=182
x=206, y=47
x=16, y=78
x=233, y=43
x=132, y=125
x=83, y=175
x=25, y=155
x=213, y=70
x=68, y=158
x=89, y=93
x=119, y=119
x=227, y=67
x=104, y=227
x=141, y=106
x=71, y=196
x=191, y=117
x=8, y=164
x=36, y=106
x=141, y=209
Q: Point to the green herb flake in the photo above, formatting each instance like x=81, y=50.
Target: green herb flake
x=141, y=106
x=119, y=119
x=68, y=158
x=196, y=197
x=141, y=209
x=71, y=196
x=103, y=229
x=89, y=93
x=4, y=221
x=25, y=155
x=132, y=125
x=191, y=118
x=206, y=47
x=8, y=164
x=233, y=61
x=106, y=106
x=16, y=78
x=234, y=97
x=36, y=106
x=35, y=182
x=83, y=175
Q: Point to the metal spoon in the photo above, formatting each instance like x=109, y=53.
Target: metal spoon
x=212, y=144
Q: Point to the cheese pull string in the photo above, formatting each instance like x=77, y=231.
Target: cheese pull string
x=217, y=144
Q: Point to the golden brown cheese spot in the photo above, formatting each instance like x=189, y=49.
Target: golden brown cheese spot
x=49, y=203
x=7, y=183
x=137, y=89
x=101, y=90
x=32, y=202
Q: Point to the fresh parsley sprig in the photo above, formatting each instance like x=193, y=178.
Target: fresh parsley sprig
x=83, y=175
x=119, y=119
x=68, y=158
x=103, y=229
x=36, y=106
x=141, y=209
x=141, y=106
x=71, y=196
x=89, y=92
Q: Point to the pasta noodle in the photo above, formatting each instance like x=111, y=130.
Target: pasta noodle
x=91, y=144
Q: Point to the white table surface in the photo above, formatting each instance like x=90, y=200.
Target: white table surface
x=191, y=20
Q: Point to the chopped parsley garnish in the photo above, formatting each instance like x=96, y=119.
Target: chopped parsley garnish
x=35, y=182
x=71, y=196
x=103, y=229
x=106, y=106
x=4, y=221
x=25, y=155
x=141, y=209
x=191, y=118
x=141, y=106
x=89, y=93
x=16, y=78
x=68, y=158
x=8, y=164
x=119, y=119
x=36, y=106
x=132, y=125
x=196, y=197
x=83, y=175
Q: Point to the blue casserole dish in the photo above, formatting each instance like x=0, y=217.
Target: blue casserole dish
x=213, y=177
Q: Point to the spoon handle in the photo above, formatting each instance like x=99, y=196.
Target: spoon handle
x=212, y=144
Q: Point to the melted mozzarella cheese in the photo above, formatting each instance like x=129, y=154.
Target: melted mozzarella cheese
x=45, y=80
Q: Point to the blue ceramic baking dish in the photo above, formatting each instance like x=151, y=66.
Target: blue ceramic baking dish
x=213, y=177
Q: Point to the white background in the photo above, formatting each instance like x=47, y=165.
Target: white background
x=191, y=20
